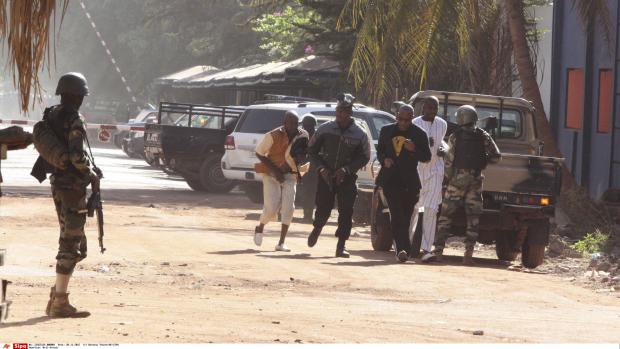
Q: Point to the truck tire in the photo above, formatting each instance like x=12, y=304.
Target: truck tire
x=195, y=184
x=212, y=177
x=254, y=191
x=504, y=245
x=361, y=208
x=380, y=230
x=532, y=254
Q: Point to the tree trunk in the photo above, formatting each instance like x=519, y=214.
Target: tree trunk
x=527, y=75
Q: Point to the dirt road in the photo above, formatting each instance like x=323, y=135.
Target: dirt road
x=185, y=269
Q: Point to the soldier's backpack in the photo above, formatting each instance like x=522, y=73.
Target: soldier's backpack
x=47, y=143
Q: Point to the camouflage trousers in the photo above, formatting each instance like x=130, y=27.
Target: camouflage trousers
x=464, y=189
x=71, y=210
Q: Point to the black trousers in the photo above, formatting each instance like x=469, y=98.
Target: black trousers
x=401, y=202
x=309, y=193
x=346, y=193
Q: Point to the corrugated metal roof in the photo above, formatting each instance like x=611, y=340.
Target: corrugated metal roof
x=310, y=67
x=188, y=73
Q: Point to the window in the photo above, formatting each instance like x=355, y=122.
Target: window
x=261, y=120
x=512, y=122
x=574, y=99
x=604, y=100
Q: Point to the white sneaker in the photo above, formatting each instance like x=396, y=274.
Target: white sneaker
x=428, y=257
x=258, y=238
x=282, y=248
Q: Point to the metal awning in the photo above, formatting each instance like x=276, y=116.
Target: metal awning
x=302, y=69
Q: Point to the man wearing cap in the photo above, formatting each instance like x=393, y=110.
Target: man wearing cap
x=337, y=151
x=69, y=180
x=431, y=176
x=279, y=171
x=401, y=146
x=309, y=181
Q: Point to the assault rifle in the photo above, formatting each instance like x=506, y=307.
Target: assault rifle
x=94, y=205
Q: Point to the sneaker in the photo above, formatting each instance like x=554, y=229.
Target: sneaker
x=282, y=248
x=428, y=257
x=258, y=237
x=342, y=253
x=402, y=256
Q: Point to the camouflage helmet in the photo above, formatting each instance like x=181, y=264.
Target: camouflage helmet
x=72, y=83
x=465, y=115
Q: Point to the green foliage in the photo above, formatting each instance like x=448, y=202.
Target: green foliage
x=591, y=243
x=283, y=33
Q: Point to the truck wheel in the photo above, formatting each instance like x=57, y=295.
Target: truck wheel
x=504, y=245
x=212, y=177
x=532, y=254
x=380, y=230
x=195, y=184
x=361, y=208
x=254, y=191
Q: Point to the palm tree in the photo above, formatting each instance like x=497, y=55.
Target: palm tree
x=25, y=26
x=400, y=41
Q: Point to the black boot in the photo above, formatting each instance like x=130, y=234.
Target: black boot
x=314, y=236
x=340, y=251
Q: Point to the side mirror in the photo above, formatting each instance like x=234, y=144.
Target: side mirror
x=489, y=124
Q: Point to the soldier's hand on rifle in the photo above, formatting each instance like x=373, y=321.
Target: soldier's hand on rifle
x=94, y=183
x=409, y=145
x=340, y=174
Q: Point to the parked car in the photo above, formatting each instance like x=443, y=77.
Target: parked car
x=239, y=159
x=189, y=139
x=133, y=141
x=520, y=192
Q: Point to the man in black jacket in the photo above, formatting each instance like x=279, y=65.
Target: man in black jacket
x=337, y=151
x=401, y=146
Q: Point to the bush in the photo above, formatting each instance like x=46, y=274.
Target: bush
x=591, y=243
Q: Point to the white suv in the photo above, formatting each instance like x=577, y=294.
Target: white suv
x=239, y=158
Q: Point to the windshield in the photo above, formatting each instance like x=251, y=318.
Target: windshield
x=260, y=120
x=512, y=120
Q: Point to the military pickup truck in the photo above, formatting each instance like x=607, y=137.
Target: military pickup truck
x=520, y=192
x=188, y=139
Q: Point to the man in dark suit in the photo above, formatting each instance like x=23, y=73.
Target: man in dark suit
x=401, y=146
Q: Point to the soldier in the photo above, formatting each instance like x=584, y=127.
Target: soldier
x=69, y=184
x=470, y=149
x=337, y=151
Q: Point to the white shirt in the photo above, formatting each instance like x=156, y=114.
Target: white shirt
x=436, y=131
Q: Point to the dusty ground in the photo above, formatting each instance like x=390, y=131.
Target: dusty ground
x=186, y=270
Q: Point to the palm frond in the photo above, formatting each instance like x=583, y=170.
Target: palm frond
x=591, y=12
x=26, y=27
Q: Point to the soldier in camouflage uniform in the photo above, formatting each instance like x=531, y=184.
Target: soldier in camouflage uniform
x=470, y=149
x=69, y=188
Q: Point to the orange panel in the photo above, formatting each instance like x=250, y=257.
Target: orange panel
x=574, y=99
x=604, y=100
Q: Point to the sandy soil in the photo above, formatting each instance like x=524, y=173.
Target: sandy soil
x=182, y=267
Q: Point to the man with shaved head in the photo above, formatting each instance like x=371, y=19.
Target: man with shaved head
x=279, y=171
x=431, y=176
x=401, y=146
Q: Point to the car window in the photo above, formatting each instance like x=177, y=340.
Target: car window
x=260, y=120
x=379, y=121
x=511, y=125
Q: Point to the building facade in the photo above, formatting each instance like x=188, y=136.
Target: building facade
x=585, y=97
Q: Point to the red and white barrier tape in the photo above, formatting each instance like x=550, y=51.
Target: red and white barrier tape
x=108, y=127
